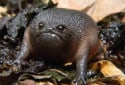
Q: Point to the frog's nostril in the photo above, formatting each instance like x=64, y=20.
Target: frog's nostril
x=50, y=30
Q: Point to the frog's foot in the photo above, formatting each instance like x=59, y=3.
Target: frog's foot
x=16, y=66
x=80, y=80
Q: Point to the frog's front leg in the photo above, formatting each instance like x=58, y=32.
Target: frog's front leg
x=23, y=53
x=81, y=63
x=81, y=70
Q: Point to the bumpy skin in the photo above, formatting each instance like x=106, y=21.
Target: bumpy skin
x=60, y=35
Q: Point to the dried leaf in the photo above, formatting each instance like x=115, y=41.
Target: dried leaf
x=115, y=80
x=107, y=68
x=3, y=10
x=103, y=8
x=74, y=4
x=120, y=79
x=27, y=82
x=97, y=9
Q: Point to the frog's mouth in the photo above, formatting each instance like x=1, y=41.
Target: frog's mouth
x=53, y=35
x=51, y=40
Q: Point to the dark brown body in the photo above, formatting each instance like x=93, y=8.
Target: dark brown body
x=58, y=36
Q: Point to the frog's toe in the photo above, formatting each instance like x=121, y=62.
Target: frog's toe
x=80, y=80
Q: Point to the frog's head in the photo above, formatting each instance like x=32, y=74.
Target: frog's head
x=58, y=24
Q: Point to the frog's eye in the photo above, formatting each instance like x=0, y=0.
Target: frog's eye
x=41, y=25
x=1, y=61
x=61, y=27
